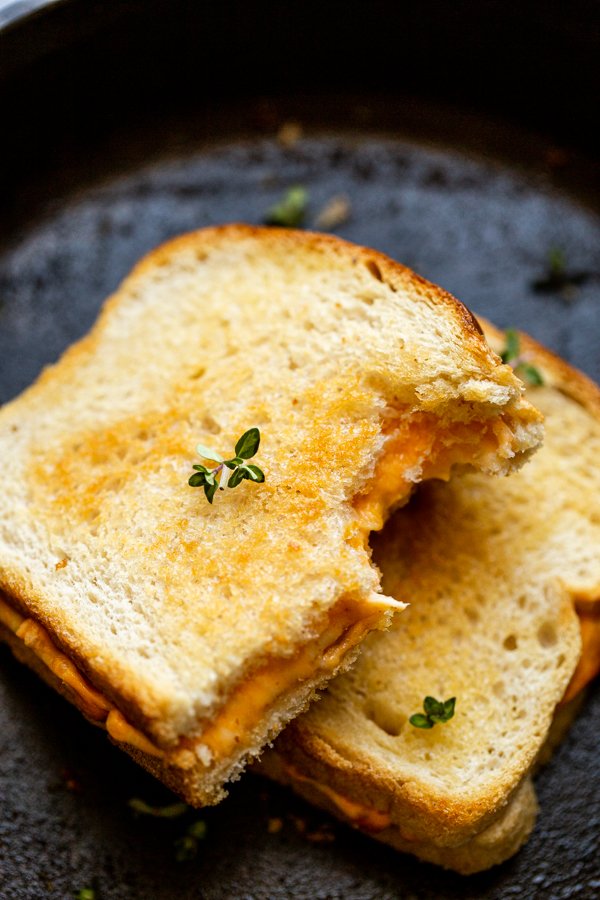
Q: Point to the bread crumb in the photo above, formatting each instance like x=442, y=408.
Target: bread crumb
x=335, y=212
x=289, y=133
x=274, y=825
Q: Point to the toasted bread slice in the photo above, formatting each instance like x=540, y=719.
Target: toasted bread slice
x=492, y=569
x=192, y=631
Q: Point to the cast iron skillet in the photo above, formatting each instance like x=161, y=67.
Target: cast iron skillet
x=461, y=135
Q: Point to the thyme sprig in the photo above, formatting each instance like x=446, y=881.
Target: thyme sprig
x=436, y=712
x=512, y=355
x=219, y=478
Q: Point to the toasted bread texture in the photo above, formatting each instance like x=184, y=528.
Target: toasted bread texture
x=362, y=378
x=493, y=570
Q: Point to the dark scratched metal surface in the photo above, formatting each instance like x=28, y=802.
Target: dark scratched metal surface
x=485, y=230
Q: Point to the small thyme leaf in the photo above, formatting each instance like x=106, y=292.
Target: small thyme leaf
x=529, y=374
x=207, y=453
x=432, y=706
x=198, y=829
x=210, y=490
x=235, y=478
x=186, y=847
x=557, y=278
x=291, y=209
x=248, y=444
x=511, y=350
x=523, y=369
x=197, y=479
x=171, y=811
x=85, y=894
x=436, y=712
x=256, y=474
x=421, y=721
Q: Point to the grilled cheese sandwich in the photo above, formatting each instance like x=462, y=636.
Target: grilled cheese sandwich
x=192, y=631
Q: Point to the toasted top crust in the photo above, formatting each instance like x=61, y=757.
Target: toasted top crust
x=164, y=601
x=491, y=568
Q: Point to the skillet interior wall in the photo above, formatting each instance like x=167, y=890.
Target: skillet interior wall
x=73, y=71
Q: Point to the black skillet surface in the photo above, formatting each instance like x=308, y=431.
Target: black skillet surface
x=469, y=202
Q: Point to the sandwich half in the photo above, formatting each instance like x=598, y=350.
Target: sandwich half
x=503, y=579
x=194, y=630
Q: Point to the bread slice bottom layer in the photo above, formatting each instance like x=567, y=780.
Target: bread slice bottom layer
x=231, y=734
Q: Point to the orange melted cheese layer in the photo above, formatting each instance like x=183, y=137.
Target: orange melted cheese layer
x=348, y=622
x=418, y=448
x=358, y=814
x=265, y=686
x=589, y=661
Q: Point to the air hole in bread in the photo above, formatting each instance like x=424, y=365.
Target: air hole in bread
x=547, y=635
x=472, y=614
x=293, y=365
x=210, y=425
x=358, y=315
x=367, y=298
x=498, y=689
x=385, y=717
x=510, y=642
x=309, y=326
x=197, y=373
x=560, y=661
x=372, y=267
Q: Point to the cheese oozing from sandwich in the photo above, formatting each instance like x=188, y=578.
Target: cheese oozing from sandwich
x=348, y=622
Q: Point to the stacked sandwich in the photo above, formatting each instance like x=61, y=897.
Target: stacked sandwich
x=193, y=625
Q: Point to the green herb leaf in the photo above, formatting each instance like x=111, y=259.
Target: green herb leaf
x=171, y=811
x=449, y=708
x=210, y=490
x=511, y=350
x=248, y=444
x=197, y=479
x=198, y=829
x=436, y=712
x=291, y=209
x=85, y=894
x=255, y=474
x=530, y=374
x=186, y=847
x=235, y=478
x=421, y=721
x=207, y=453
x=432, y=706
x=557, y=262
x=511, y=355
x=201, y=469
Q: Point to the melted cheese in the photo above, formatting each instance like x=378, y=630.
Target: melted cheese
x=589, y=662
x=348, y=622
x=358, y=814
x=36, y=638
x=246, y=705
x=121, y=731
x=420, y=448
